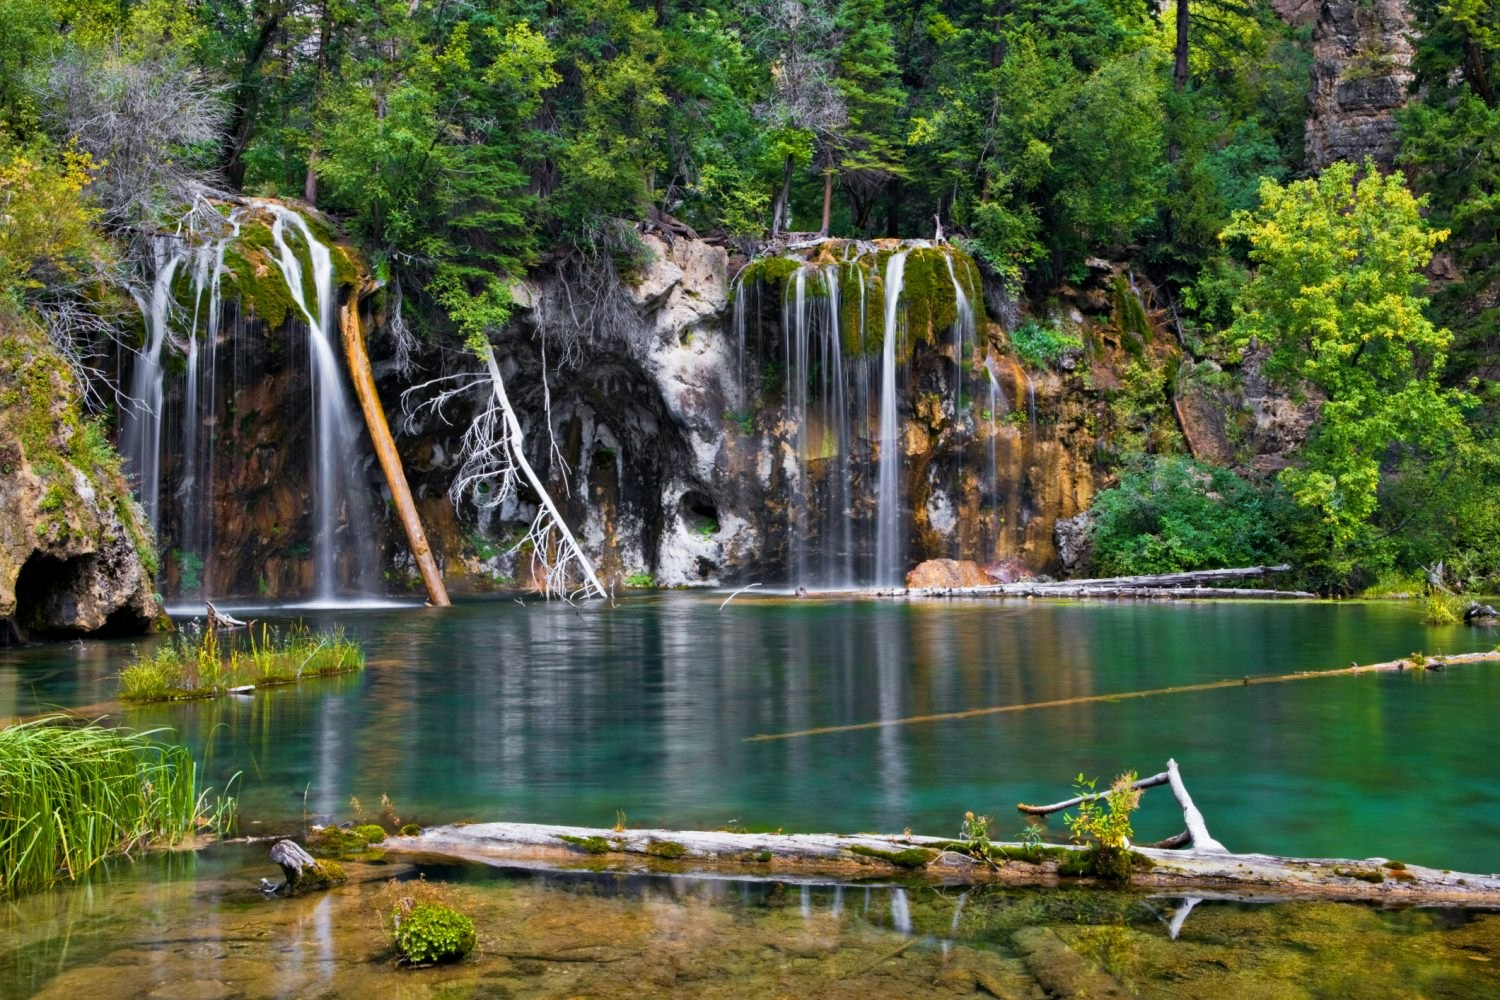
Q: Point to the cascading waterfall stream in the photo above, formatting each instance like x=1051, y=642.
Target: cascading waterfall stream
x=841, y=366
x=889, y=550
x=193, y=328
x=335, y=430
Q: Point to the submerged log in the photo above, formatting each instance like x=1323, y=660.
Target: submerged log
x=385, y=450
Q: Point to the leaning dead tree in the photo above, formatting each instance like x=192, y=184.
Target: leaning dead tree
x=363, y=378
x=495, y=468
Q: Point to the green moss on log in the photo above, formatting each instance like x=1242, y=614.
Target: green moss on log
x=588, y=845
x=912, y=857
x=669, y=850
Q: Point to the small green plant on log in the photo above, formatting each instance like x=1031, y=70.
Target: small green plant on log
x=1104, y=824
x=974, y=836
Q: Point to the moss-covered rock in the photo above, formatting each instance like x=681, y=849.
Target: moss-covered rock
x=316, y=877
x=336, y=842
x=76, y=552
x=431, y=933
x=371, y=832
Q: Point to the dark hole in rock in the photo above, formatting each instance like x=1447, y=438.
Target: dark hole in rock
x=699, y=512
x=45, y=595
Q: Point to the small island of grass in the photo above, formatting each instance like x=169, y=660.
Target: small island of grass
x=199, y=663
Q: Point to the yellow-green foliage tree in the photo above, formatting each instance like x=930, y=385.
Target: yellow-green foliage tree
x=1336, y=300
x=46, y=224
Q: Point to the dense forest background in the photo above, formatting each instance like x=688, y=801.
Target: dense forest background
x=463, y=144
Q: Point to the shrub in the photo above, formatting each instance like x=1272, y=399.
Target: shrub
x=1040, y=346
x=431, y=932
x=1171, y=514
x=1106, y=827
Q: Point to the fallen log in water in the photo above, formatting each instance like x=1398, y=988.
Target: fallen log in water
x=1176, y=586
x=801, y=856
x=818, y=857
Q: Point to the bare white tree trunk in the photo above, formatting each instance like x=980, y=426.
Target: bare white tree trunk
x=549, y=524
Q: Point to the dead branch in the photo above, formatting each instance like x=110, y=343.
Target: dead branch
x=1151, y=782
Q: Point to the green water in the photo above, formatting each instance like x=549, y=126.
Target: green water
x=492, y=711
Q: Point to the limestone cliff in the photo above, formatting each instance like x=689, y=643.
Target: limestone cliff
x=1362, y=51
x=75, y=554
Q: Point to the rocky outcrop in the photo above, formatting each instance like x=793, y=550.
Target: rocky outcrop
x=75, y=555
x=1362, y=51
x=1243, y=420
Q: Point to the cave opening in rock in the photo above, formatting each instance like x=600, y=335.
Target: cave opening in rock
x=41, y=580
x=699, y=512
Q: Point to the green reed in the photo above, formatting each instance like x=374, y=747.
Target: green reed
x=73, y=795
x=199, y=663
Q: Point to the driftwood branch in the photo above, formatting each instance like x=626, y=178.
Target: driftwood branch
x=1151, y=782
x=1196, y=828
x=219, y=620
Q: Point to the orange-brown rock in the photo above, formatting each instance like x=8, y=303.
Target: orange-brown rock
x=938, y=573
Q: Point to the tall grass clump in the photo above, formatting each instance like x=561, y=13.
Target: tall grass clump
x=198, y=663
x=1443, y=609
x=72, y=796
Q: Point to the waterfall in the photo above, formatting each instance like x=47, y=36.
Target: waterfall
x=862, y=327
x=335, y=429
x=963, y=333
x=181, y=511
x=889, y=529
x=141, y=419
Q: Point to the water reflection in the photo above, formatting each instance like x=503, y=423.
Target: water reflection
x=548, y=713
x=179, y=925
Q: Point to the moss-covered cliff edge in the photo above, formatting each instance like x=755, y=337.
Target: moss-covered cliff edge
x=76, y=555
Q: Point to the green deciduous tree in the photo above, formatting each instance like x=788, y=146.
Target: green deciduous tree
x=1335, y=300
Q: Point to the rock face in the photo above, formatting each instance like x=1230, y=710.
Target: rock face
x=1362, y=53
x=692, y=460
x=71, y=538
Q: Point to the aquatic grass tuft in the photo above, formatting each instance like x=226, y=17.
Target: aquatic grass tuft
x=72, y=796
x=193, y=664
x=1443, y=609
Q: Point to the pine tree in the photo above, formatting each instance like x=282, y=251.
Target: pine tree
x=869, y=152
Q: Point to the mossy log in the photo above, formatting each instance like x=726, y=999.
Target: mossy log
x=805, y=857
x=302, y=872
